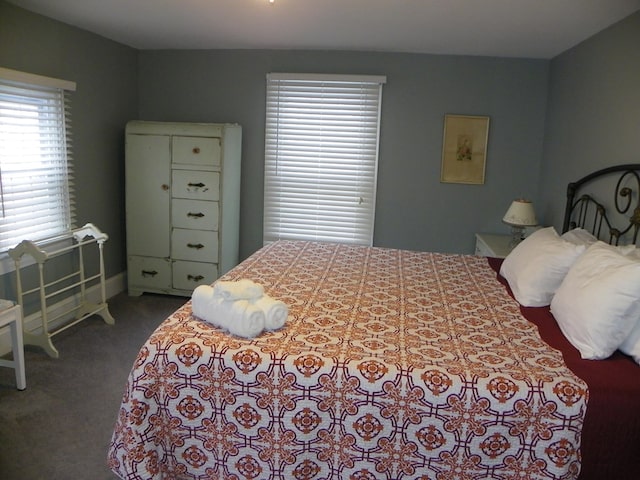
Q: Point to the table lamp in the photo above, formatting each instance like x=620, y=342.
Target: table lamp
x=519, y=215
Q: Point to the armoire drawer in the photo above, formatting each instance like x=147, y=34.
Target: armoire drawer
x=194, y=214
x=149, y=272
x=195, y=185
x=196, y=150
x=194, y=245
x=188, y=275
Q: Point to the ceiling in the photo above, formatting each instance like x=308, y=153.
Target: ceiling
x=504, y=28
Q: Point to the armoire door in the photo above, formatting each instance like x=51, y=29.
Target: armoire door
x=148, y=190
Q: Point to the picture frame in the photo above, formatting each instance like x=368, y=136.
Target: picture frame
x=464, y=149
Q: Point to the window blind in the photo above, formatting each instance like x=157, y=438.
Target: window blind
x=321, y=157
x=35, y=158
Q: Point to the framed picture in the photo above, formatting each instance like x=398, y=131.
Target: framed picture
x=464, y=149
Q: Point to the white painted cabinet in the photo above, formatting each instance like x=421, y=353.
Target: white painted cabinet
x=182, y=204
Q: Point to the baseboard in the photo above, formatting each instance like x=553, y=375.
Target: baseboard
x=33, y=322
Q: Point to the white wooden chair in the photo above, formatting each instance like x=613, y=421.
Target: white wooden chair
x=11, y=316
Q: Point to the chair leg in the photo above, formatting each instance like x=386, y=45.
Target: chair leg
x=18, y=352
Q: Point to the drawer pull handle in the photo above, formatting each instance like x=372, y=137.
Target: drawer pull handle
x=149, y=273
x=196, y=150
x=197, y=185
x=197, y=246
x=195, y=278
x=196, y=215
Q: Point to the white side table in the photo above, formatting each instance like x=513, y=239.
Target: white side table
x=12, y=317
x=492, y=245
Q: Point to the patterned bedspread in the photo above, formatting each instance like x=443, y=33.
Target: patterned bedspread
x=393, y=365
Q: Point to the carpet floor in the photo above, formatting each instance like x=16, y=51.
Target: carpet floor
x=60, y=426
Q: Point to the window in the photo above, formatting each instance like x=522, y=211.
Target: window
x=35, y=172
x=321, y=157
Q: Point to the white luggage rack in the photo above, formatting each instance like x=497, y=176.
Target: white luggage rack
x=70, y=243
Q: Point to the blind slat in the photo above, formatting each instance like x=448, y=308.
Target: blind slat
x=35, y=171
x=321, y=157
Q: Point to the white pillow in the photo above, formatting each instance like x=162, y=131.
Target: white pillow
x=579, y=236
x=629, y=250
x=632, y=252
x=631, y=346
x=536, y=267
x=598, y=303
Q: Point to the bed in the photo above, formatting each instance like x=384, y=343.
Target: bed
x=393, y=364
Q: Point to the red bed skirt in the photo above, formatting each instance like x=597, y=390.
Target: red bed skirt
x=611, y=431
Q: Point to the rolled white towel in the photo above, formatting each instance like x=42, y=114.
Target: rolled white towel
x=208, y=308
x=246, y=320
x=238, y=317
x=244, y=289
x=275, y=311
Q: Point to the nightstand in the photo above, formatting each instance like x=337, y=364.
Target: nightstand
x=492, y=245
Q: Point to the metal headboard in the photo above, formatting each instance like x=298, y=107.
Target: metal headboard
x=588, y=213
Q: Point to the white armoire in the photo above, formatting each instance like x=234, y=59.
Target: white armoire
x=182, y=204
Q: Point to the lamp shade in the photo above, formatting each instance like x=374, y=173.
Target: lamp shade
x=520, y=214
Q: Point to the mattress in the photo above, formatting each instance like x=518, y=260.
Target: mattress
x=393, y=364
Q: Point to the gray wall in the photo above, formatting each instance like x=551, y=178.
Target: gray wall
x=594, y=112
x=586, y=102
x=106, y=97
x=414, y=210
